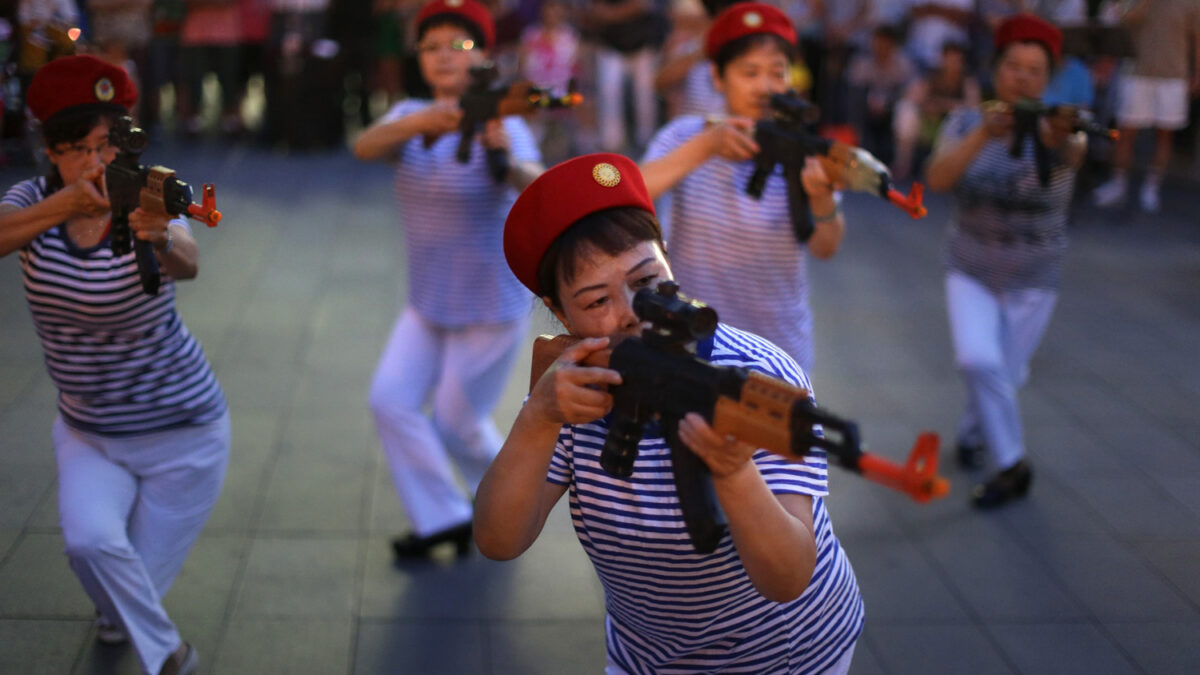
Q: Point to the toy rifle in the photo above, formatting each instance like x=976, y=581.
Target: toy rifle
x=155, y=189
x=1027, y=114
x=785, y=137
x=662, y=380
x=482, y=102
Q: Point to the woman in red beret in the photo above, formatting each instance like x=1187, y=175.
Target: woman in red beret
x=142, y=435
x=778, y=594
x=1008, y=238
x=455, y=342
x=733, y=251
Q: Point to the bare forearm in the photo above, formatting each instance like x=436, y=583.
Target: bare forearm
x=521, y=174
x=181, y=262
x=18, y=227
x=509, y=508
x=829, y=227
x=662, y=174
x=777, y=549
x=674, y=71
x=948, y=166
x=381, y=139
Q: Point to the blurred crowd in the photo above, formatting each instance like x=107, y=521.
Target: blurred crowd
x=302, y=73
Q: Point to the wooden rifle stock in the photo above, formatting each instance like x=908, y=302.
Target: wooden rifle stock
x=764, y=415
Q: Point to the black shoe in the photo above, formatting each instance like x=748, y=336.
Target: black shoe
x=970, y=456
x=1004, y=487
x=411, y=546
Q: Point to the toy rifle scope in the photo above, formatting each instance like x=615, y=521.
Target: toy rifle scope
x=1027, y=114
x=482, y=102
x=155, y=189
x=786, y=137
x=662, y=380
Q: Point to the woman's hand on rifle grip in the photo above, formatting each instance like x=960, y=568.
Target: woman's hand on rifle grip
x=724, y=455
x=733, y=139
x=88, y=194
x=441, y=117
x=1057, y=128
x=569, y=393
x=997, y=121
x=818, y=184
x=151, y=227
x=494, y=136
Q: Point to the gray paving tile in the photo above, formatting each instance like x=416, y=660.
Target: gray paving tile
x=897, y=582
x=1160, y=646
x=99, y=659
x=301, y=578
x=1049, y=511
x=17, y=377
x=306, y=494
x=254, y=386
x=285, y=646
x=935, y=648
x=38, y=582
x=999, y=580
x=27, y=432
x=552, y=580
x=204, y=588
x=345, y=433
x=1178, y=562
x=549, y=647
x=22, y=486
x=251, y=452
x=8, y=536
x=40, y=647
x=1110, y=579
x=45, y=516
x=444, y=647
x=1136, y=507
x=1060, y=648
x=865, y=662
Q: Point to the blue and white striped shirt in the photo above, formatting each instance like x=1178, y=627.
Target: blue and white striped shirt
x=734, y=252
x=673, y=610
x=453, y=216
x=1006, y=229
x=122, y=360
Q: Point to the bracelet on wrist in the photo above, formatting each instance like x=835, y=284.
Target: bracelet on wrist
x=168, y=246
x=829, y=217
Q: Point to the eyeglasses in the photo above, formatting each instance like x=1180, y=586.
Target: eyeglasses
x=457, y=46
x=79, y=150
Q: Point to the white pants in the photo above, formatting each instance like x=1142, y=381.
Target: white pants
x=465, y=370
x=130, y=508
x=995, y=336
x=1153, y=102
x=611, y=68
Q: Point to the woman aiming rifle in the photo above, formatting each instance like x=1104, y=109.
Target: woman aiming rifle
x=778, y=594
x=142, y=435
x=1008, y=238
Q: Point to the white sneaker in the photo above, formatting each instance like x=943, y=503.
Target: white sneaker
x=1149, y=196
x=1111, y=192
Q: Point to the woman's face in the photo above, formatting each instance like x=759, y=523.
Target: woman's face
x=750, y=79
x=598, y=301
x=446, y=54
x=1023, y=71
x=74, y=159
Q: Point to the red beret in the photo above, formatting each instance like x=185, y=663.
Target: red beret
x=1028, y=27
x=747, y=18
x=560, y=197
x=78, y=80
x=472, y=11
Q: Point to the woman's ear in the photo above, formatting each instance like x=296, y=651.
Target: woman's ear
x=558, y=313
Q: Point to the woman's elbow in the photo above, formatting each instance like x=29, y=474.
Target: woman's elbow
x=494, y=548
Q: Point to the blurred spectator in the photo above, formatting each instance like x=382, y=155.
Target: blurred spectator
x=629, y=34
x=1154, y=93
x=255, y=16
x=302, y=71
x=927, y=102
x=877, y=82
x=684, y=77
x=934, y=23
x=120, y=34
x=845, y=32
x=43, y=26
x=387, y=75
x=162, y=59
x=550, y=58
x=211, y=42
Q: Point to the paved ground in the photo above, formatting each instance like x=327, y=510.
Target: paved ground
x=1095, y=573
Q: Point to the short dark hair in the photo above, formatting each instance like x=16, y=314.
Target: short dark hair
x=75, y=123
x=448, y=19
x=738, y=46
x=612, y=231
x=887, y=31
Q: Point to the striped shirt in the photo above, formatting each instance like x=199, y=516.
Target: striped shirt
x=453, y=216
x=673, y=610
x=122, y=360
x=1006, y=229
x=700, y=97
x=734, y=252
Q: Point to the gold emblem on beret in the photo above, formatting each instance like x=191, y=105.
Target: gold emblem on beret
x=752, y=19
x=454, y=3
x=104, y=90
x=606, y=174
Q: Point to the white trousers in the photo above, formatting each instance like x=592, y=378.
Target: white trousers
x=130, y=508
x=611, y=68
x=995, y=336
x=464, y=370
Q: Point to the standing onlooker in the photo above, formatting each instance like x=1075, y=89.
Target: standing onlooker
x=927, y=102
x=684, y=77
x=845, y=34
x=629, y=33
x=211, y=42
x=162, y=59
x=550, y=58
x=877, y=82
x=120, y=34
x=933, y=24
x=1154, y=91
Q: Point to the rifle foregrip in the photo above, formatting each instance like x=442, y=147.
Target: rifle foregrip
x=762, y=414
